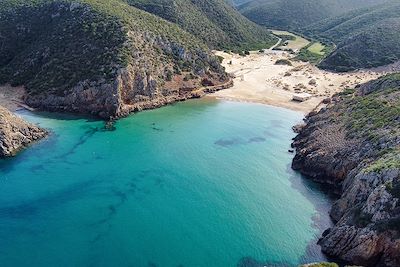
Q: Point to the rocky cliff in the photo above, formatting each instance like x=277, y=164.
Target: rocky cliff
x=353, y=145
x=104, y=58
x=16, y=134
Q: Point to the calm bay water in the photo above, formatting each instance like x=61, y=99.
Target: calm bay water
x=200, y=183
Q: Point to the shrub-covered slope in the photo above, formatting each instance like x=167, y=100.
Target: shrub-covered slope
x=296, y=14
x=213, y=21
x=365, y=38
x=101, y=57
x=354, y=146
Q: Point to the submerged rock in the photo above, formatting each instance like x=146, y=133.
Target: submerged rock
x=16, y=134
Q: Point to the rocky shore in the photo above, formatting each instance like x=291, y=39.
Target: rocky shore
x=16, y=134
x=125, y=96
x=353, y=145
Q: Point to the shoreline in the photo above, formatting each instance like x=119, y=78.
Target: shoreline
x=257, y=79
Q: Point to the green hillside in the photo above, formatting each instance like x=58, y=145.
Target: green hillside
x=76, y=55
x=296, y=14
x=364, y=38
x=213, y=21
x=365, y=34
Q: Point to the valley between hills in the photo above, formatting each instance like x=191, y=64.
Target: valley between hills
x=67, y=61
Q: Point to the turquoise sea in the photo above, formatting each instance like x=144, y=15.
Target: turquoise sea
x=201, y=183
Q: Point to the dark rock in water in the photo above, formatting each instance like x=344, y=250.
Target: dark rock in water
x=291, y=151
x=16, y=134
x=355, y=149
x=110, y=126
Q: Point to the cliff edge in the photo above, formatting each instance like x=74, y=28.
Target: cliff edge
x=16, y=134
x=353, y=145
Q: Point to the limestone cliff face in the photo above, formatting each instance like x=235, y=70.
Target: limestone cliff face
x=353, y=145
x=16, y=134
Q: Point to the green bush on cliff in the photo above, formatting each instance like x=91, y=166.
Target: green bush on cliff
x=371, y=115
x=376, y=114
x=390, y=160
x=51, y=45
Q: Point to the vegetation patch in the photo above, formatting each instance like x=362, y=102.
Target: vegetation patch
x=388, y=161
x=364, y=38
x=371, y=115
x=290, y=41
x=317, y=48
x=215, y=22
x=374, y=116
x=283, y=62
x=52, y=45
x=314, y=52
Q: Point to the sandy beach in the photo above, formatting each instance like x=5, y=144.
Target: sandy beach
x=258, y=79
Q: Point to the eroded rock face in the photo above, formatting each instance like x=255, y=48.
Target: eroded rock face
x=16, y=134
x=362, y=246
x=321, y=147
x=135, y=88
x=130, y=92
x=360, y=159
x=367, y=231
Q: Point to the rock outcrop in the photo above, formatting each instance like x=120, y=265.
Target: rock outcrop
x=16, y=134
x=129, y=92
x=353, y=145
x=104, y=58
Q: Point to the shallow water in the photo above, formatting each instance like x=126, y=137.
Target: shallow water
x=199, y=183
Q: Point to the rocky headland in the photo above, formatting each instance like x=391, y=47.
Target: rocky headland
x=104, y=58
x=353, y=145
x=16, y=134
